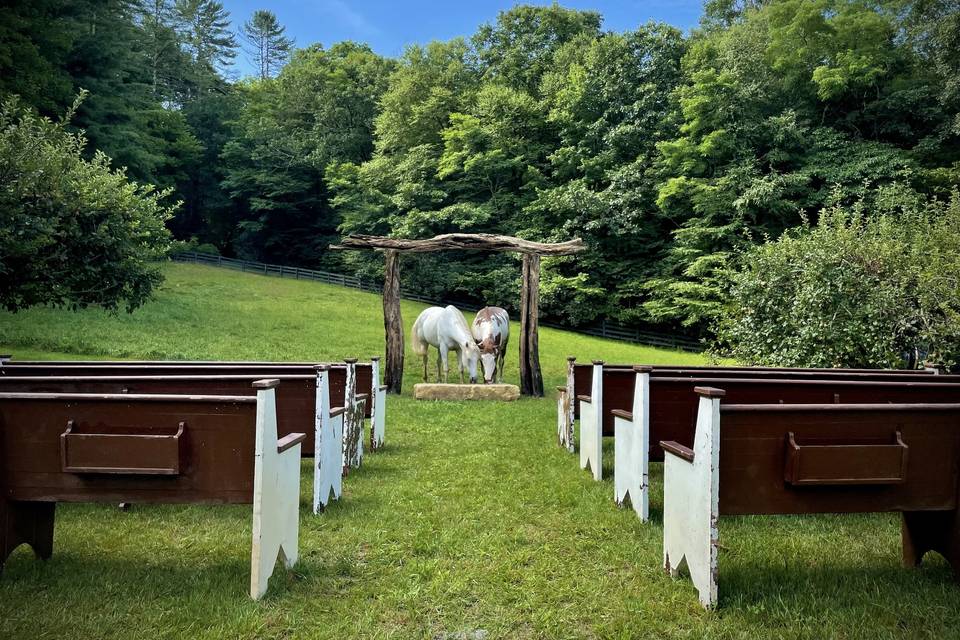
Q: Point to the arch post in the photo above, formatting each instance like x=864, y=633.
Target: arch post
x=531, y=379
x=392, y=322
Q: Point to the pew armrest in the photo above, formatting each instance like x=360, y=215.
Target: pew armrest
x=584, y=398
x=337, y=411
x=620, y=413
x=678, y=450
x=289, y=441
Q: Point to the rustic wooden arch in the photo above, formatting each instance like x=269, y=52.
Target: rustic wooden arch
x=531, y=379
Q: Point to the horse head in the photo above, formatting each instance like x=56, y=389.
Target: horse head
x=488, y=358
x=469, y=356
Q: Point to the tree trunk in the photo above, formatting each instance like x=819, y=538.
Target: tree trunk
x=531, y=379
x=393, y=323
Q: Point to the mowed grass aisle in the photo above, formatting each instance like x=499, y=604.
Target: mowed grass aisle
x=470, y=519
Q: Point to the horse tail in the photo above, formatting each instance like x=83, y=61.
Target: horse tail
x=419, y=345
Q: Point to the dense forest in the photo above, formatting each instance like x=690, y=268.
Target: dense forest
x=669, y=153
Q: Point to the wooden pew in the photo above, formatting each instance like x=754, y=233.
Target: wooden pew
x=208, y=449
x=579, y=380
x=615, y=392
x=665, y=408
x=811, y=458
x=303, y=406
x=373, y=404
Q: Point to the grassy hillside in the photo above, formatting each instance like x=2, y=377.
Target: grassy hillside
x=207, y=313
x=471, y=518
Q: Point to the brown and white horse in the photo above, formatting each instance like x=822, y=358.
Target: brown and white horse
x=491, y=330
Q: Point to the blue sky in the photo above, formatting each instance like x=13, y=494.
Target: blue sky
x=390, y=26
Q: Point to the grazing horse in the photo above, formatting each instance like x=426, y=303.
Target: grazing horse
x=445, y=328
x=491, y=330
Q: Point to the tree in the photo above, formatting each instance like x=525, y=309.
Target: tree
x=58, y=211
x=319, y=110
x=205, y=32
x=266, y=46
x=793, y=99
x=518, y=49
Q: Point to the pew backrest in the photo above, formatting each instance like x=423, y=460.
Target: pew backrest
x=673, y=405
x=127, y=447
x=195, y=368
x=838, y=458
x=296, y=396
x=583, y=374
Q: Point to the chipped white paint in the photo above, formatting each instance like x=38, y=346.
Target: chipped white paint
x=378, y=411
x=565, y=410
x=276, y=498
x=353, y=421
x=691, y=495
x=562, y=401
x=591, y=425
x=328, y=446
x=631, y=453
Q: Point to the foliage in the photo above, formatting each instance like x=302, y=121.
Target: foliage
x=73, y=232
x=319, y=110
x=862, y=287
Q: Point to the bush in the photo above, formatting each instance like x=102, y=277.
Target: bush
x=73, y=232
x=863, y=287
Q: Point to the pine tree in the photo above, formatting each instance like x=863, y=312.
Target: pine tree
x=205, y=26
x=266, y=45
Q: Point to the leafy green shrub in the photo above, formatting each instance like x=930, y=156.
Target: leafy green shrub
x=73, y=232
x=862, y=287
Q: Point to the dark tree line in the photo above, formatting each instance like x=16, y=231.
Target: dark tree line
x=670, y=154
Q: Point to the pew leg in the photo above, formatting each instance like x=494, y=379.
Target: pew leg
x=26, y=523
x=924, y=531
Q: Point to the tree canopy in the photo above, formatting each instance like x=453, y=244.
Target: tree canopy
x=670, y=154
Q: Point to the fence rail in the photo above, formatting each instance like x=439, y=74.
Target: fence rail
x=605, y=329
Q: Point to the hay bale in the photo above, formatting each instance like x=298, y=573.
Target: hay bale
x=438, y=391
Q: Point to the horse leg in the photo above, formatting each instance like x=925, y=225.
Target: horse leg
x=443, y=359
x=426, y=355
x=439, y=370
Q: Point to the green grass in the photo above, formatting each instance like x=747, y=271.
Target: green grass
x=471, y=518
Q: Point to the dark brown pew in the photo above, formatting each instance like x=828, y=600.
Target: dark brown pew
x=811, y=458
x=296, y=397
x=671, y=411
x=57, y=447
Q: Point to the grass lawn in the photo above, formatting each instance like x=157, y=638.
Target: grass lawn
x=471, y=518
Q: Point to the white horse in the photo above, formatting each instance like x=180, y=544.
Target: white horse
x=491, y=330
x=445, y=328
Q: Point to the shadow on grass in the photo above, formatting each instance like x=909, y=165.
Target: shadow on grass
x=797, y=585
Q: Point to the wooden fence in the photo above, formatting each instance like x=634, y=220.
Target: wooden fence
x=604, y=329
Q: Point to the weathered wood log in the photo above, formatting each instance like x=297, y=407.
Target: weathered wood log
x=531, y=379
x=472, y=241
x=393, y=323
